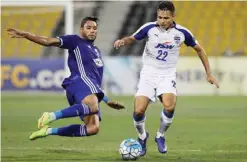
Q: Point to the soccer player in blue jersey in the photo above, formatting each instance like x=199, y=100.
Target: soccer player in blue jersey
x=83, y=86
x=158, y=75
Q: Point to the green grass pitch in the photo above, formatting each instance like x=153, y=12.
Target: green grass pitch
x=205, y=129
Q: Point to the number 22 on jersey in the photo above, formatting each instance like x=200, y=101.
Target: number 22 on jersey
x=162, y=55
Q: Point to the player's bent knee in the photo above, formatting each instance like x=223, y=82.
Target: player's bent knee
x=92, y=102
x=141, y=103
x=96, y=129
x=94, y=107
x=93, y=129
x=139, y=111
x=169, y=106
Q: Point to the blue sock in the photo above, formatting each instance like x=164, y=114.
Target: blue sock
x=53, y=131
x=168, y=114
x=138, y=118
x=75, y=130
x=74, y=110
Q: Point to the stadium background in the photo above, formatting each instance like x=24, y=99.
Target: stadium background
x=215, y=117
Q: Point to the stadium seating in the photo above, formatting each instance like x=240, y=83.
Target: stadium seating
x=139, y=13
x=39, y=20
x=217, y=25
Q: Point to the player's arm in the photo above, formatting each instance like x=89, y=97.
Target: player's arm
x=140, y=34
x=203, y=56
x=41, y=40
x=190, y=41
x=112, y=104
x=124, y=41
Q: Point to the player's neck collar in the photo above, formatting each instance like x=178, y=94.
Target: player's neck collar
x=172, y=26
x=86, y=40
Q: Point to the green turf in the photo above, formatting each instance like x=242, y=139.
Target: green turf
x=205, y=129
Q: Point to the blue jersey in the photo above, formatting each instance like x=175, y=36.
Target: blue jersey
x=84, y=61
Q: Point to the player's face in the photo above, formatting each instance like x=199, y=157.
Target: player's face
x=165, y=18
x=89, y=30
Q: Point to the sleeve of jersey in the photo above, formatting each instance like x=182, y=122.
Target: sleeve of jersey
x=141, y=33
x=189, y=39
x=67, y=41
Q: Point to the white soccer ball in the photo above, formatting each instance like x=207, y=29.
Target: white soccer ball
x=130, y=149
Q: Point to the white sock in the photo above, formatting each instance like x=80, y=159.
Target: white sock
x=158, y=135
x=49, y=131
x=53, y=116
x=140, y=128
x=165, y=123
x=142, y=136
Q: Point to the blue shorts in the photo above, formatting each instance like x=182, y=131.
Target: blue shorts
x=77, y=90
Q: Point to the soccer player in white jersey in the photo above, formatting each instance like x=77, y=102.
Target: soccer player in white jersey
x=158, y=74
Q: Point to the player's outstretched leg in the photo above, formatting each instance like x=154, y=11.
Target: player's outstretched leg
x=39, y=134
x=141, y=103
x=72, y=111
x=91, y=127
x=76, y=130
x=166, y=117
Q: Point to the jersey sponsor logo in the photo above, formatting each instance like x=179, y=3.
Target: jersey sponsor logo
x=165, y=45
x=98, y=62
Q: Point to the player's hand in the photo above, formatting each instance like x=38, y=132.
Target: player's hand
x=115, y=105
x=15, y=33
x=119, y=43
x=211, y=80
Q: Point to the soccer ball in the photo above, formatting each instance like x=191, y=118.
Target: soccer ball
x=130, y=149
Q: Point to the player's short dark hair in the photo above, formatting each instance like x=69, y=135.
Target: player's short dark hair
x=166, y=6
x=89, y=18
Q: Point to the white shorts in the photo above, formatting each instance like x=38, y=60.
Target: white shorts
x=153, y=86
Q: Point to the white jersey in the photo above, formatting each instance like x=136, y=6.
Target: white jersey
x=162, y=47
